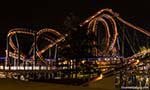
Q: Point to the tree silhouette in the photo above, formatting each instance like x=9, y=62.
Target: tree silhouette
x=76, y=41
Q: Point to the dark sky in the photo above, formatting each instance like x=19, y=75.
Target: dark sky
x=52, y=13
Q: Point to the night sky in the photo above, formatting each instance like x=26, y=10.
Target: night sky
x=37, y=14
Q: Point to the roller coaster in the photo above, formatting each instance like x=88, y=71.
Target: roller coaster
x=17, y=54
x=102, y=27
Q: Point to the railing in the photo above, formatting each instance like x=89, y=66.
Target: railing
x=23, y=68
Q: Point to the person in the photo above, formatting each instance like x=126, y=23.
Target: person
x=124, y=80
x=137, y=80
x=134, y=80
x=117, y=82
x=130, y=80
x=147, y=81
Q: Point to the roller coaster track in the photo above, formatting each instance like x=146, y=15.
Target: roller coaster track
x=52, y=41
x=118, y=17
x=15, y=31
x=140, y=54
x=100, y=16
x=135, y=61
x=92, y=27
x=110, y=18
x=93, y=23
x=103, y=16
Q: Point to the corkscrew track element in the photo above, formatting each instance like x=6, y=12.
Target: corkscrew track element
x=106, y=16
x=52, y=40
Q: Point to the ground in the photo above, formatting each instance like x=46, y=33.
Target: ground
x=10, y=84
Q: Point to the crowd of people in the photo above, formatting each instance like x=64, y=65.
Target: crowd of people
x=135, y=80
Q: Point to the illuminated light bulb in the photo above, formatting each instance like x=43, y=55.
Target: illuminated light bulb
x=83, y=61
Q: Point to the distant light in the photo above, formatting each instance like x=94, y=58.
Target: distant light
x=99, y=78
x=83, y=61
